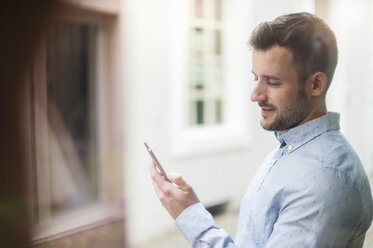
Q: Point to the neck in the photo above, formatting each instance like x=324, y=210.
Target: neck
x=317, y=111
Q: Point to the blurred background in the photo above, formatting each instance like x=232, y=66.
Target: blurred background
x=108, y=75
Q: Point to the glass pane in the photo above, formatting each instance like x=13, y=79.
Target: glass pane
x=218, y=111
x=219, y=77
x=71, y=115
x=197, y=76
x=197, y=42
x=206, y=68
x=198, y=8
x=217, y=42
x=200, y=112
x=218, y=9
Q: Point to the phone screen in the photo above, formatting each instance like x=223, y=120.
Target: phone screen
x=159, y=166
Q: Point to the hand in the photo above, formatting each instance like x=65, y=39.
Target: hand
x=175, y=196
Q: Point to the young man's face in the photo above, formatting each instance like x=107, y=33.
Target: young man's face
x=282, y=99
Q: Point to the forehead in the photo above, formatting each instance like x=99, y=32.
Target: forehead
x=274, y=61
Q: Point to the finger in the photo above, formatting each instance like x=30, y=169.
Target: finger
x=158, y=172
x=179, y=181
x=156, y=177
x=154, y=173
x=157, y=180
x=163, y=189
x=157, y=190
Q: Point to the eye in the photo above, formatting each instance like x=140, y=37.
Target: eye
x=272, y=83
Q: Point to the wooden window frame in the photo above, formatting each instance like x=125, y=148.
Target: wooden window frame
x=109, y=206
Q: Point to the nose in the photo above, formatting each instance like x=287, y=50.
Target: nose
x=259, y=92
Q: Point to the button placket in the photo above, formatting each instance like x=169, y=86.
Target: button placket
x=273, y=162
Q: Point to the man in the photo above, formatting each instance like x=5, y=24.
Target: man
x=312, y=191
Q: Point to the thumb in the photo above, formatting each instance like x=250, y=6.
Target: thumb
x=179, y=181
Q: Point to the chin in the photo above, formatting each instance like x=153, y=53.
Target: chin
x=266, y=126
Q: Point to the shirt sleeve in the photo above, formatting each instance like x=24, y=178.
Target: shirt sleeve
x=199, y=228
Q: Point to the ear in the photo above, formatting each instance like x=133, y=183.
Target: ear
x=318, y=83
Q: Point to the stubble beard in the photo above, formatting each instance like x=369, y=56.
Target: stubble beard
x=289, y=116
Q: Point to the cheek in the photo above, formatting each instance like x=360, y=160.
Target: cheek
x=282, y=99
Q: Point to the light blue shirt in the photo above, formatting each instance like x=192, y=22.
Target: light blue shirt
x=312, y=191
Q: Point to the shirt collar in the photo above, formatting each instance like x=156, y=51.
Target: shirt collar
x=300, y=135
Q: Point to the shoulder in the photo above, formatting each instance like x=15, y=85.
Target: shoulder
x=332, y=174
x=328, y=165
x=331, y=154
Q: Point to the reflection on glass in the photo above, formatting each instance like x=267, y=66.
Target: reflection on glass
x=71, y=114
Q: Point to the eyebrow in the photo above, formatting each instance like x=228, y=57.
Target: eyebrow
x=268, y=76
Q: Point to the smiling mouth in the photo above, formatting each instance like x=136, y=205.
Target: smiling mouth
x=266, y=109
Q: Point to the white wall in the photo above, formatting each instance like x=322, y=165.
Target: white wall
x=267, y=10
x=352, y=87
x=146, y=35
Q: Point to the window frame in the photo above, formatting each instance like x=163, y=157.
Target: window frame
x=205, y=98
x=109, y=206
x=233, y=133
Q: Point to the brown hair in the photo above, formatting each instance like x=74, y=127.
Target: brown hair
x=311, y=41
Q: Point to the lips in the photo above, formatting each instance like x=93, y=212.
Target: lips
x=266, y=109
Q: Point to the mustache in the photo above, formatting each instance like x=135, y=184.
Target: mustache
x=265, y=105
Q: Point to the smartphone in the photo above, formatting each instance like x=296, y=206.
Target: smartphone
x=159, y=166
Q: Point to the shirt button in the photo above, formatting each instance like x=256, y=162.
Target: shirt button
x=273, y=161
x=290, y=148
